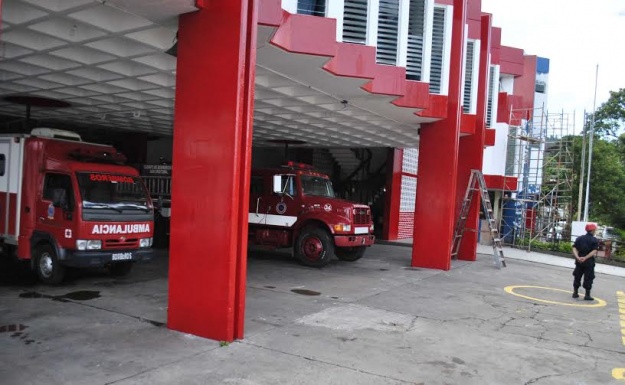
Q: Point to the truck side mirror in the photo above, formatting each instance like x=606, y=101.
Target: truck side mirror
x=59, y=198
x=277, y=184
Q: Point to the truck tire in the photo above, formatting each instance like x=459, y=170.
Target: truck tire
x=121, y=269
x=350, y=254
x=49, y=269
x=314, y=247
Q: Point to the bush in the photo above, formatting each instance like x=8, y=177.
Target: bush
x=562, y=246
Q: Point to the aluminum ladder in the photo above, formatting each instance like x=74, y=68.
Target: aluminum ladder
x=477, y=183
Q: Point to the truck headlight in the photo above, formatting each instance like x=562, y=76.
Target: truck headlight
x=90, y=244
x=343, y=227
x=145, y=242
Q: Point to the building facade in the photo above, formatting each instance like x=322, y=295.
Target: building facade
x=426, y=81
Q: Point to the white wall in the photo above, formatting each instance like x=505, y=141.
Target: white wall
x=506, y=84
x=289, y=6
x=495, y=156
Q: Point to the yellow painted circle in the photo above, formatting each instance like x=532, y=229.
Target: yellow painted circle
x=596, y=303
x=618, y=373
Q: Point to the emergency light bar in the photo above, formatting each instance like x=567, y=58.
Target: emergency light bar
x=299, y=166
x=83, y=154
x=45, y=132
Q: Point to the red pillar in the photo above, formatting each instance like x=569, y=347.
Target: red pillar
x=472, y=148
x=211, y=160
x=393, y=194
x=438, y=164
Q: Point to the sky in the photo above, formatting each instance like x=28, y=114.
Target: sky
x=576, y=36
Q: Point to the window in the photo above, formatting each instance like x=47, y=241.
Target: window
x=491, y=91
x=416, y=25
x=3, y=161
x=288, y=185
x=438, y=46
x=311, y=7
x=388, y=29
x=355, y=21
x=468, y=78
x=112, y=192
x=257, y=187
x=318, y=186
x=541, y=87
x=57, y=188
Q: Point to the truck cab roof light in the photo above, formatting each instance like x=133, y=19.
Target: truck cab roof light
x=88, y=154
x=298, y=166
x=45, y=132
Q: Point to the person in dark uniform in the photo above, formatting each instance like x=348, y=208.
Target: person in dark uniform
x=584, y=249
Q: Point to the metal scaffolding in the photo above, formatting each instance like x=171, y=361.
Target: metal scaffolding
x=540, y=156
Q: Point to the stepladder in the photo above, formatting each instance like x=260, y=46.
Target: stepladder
x=477, y=183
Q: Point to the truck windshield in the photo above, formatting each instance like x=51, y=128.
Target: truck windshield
x=317, y=186
x=112, y=191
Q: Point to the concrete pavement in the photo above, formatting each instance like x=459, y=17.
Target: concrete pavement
x=375, y=321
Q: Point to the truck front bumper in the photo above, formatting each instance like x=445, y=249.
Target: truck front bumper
x=100, y=258
x=354, y=240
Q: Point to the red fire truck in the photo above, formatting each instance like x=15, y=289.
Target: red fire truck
x=295, y=207
x=65, y=202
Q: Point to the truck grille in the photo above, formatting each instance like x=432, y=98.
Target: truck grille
x=362, y=216
x=129, y=243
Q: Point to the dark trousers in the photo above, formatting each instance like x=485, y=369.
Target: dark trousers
x=587, y=270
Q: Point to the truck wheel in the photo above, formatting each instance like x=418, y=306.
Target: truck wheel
x=314, y=247
x=47, y=265
x=121, y=269
x=350, y=254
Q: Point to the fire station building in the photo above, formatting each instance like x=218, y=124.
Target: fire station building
x=396, y=100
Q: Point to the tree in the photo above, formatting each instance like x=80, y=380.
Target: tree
x=607, y=179
x=610, y=116
x=607, y=183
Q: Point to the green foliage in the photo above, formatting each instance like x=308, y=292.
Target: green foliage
x=610, y=116
x=619, y=253
x=561, y=247
x=607, y=180
x=607, y=183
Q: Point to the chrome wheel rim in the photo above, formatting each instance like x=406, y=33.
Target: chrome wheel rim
x=45, y=264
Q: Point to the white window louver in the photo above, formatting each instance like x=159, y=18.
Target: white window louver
x=355, y=21
x=491, y=91
x=416, y=25
x=311, y=7
x=438, y=45
x=468, y=77
x=388, y=29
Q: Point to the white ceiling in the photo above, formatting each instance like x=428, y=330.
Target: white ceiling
x=107, y=59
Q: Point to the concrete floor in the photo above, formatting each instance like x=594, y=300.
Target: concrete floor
x=375, y=321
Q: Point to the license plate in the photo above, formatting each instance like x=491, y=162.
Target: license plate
x=121, y=256
x=361, y=230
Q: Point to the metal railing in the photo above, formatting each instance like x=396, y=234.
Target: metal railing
x=158, y=186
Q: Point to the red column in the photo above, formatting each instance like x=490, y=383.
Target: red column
x=393, y=194
x=211, y=160
x=472, y=148
x=438, y=163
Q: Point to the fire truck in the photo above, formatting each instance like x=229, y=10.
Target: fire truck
x=68, y=203
x=294, y=206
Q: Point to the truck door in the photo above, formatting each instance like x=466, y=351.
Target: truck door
x=55, y=208
x=258, y=204
x=282, y=207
